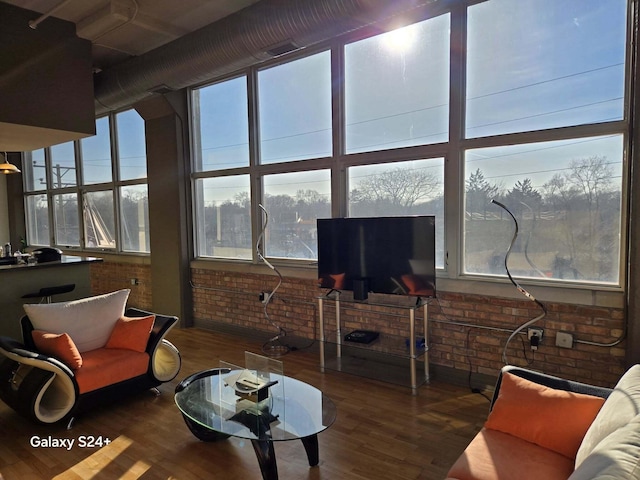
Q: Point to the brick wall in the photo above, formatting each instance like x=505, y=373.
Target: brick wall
x=455, y=346
x=109, y=276
x=466, y=332
x=232, y=298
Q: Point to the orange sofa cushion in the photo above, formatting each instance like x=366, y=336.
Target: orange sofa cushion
x=554, y=419
x=58, y=345
x=131, y=333
x=106, y=366
x=494, y=455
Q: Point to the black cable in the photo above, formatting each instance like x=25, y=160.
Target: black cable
x=518, y=287
x=479, y=391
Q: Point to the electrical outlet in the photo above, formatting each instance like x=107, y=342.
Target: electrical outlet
x=535, y=337
x=263, y=297
x=564, y=340
x=535, y=332
x=134, y=281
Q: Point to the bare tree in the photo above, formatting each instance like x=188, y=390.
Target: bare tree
x=593, y=177
x=400, y=186
x=582, y=197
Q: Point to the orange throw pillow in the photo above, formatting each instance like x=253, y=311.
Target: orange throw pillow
x=554, y=419
x=131, y=333
x=58, y=345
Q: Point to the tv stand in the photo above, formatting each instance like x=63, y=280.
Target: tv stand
x=392, y=346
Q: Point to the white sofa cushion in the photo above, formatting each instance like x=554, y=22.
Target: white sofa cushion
x=615, y=457
x=621, y=407
x=88, y=321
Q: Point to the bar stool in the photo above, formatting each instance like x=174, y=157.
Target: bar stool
x=45, y=293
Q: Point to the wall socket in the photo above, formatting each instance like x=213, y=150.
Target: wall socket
x=564, y=340
x=535, y=332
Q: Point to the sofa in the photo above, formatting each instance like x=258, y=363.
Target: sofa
x=80, y=354
x=545, y=427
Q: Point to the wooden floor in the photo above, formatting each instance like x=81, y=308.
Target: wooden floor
x=381, y=431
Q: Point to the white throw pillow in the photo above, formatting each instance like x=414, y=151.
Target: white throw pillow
x=88, y=321
x=620, y=408
x=615, y=457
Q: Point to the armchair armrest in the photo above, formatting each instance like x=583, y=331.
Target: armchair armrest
x=165, y=357
x=551, y=382
x=18, y=352
x=37, y=386
x=161, y=326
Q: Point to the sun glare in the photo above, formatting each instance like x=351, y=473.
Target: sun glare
x=400, y=39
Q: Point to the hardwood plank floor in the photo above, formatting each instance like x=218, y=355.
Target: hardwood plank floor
x=381, y=432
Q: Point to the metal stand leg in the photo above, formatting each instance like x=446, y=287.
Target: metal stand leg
x=311, y=447
x=321, y=319
x=412, y=351
x=425, y=319
x=266, y=459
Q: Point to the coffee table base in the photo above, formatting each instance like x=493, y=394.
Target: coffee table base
x=267, y=456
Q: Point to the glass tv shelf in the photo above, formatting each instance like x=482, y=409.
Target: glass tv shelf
x=386, y=356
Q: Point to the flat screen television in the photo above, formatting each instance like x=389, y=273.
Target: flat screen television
x=391, y=255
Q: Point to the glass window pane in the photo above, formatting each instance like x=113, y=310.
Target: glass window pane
x=34, y=171
x=37, y=213
x=134, y=221
x=223, y=217
x=536, y=64
x=63, y=165
x=99, y=224
x=67, y=224
x=294, y=201
x=295, y=110
x=566, y=197
x=132, y=150
x=96, y=154
x=405, y=188
x=221, y=125
x=397, y=88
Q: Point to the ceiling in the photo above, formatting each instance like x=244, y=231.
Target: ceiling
x=131, y=50
x=121, y=29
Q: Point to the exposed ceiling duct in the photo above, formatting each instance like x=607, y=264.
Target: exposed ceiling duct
x=252, y=35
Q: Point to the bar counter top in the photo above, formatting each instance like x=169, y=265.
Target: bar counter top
x=65, y=260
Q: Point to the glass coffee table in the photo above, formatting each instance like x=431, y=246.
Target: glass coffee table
x=289, y=410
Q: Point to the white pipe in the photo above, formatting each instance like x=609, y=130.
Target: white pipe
x=34, y=23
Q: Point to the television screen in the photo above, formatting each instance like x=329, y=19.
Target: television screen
x=394, y=255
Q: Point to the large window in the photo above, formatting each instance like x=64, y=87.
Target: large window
x=566, y=198
x=536, y=64
x=62, y=166
x=292, y=221
x=397, y=88
x=544, y=65
x=223, y=207
x=96, y=155
x=90, y=210
x=527, y=107
x=294, y=110
x=402, y=188
x=221, y=128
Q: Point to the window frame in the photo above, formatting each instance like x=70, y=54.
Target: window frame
x=80, y=190
x=452, y=276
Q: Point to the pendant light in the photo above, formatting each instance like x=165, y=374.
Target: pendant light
x=8, y=168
